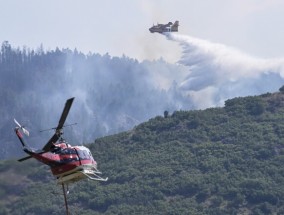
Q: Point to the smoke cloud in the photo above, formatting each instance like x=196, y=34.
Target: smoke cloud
x=114, y=94
x=217, y=72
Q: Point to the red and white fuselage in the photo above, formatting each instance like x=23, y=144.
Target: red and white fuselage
x=64, y=158
x=68, y=163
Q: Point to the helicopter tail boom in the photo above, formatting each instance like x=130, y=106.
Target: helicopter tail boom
x=26, y=149
x=21, y=138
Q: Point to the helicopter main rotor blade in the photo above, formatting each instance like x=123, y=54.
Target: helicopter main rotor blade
x=25, y=158
x=65, y=112
x=51, y=141
x=60, y=125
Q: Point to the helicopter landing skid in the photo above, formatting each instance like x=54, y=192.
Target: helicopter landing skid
x=94, y=175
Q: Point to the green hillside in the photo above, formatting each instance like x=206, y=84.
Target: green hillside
x=215, y=161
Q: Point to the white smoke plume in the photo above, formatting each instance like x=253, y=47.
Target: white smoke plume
x=218, y=72
x=114, y=94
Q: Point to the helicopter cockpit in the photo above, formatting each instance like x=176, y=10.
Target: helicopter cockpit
x=84, y=153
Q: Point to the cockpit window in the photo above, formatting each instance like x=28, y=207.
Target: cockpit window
x=83, y=154
x=68, y=151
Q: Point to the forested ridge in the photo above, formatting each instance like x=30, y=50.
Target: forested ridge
x=216, y=161
x=112, y=94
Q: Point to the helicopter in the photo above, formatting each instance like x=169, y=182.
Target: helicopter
x=67, y=163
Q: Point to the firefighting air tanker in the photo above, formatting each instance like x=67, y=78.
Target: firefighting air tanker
x=161, y=28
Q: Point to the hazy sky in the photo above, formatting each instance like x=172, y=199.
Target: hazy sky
x=121, y=26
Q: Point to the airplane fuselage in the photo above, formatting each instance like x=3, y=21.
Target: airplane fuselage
x=161, y=28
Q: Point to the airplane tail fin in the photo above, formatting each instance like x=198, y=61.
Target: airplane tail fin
x=175, y=26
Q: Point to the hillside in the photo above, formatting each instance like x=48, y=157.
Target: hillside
x=215, y=161
x=35, y=84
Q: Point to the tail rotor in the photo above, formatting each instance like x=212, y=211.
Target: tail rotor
x=25, y=131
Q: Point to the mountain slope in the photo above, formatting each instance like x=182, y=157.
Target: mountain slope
x=112, y=93
x=215, y=161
